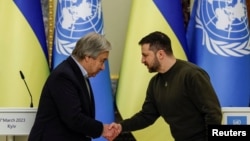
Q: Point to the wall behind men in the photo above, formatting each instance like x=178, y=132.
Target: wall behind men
x=115, y=16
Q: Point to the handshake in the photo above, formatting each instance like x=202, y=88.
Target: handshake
x=111, y=131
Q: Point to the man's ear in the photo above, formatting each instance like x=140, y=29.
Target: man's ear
x=160, y=54
x=86, y=58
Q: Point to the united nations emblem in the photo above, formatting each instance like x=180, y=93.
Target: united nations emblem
x=225, y=27
x=74, y=19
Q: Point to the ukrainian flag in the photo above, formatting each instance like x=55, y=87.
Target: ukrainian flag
x=147, y=16
x=23, y=48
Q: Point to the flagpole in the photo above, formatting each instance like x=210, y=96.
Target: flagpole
x=51, y=22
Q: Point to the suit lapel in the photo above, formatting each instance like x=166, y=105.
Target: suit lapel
x=84, y=84
x=91, y=96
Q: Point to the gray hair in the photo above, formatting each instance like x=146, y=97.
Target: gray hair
x=92, y=44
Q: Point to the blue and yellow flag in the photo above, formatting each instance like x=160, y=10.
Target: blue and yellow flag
x=218, y=41
x=75, y=19
x=147, y=16
x=23, y=48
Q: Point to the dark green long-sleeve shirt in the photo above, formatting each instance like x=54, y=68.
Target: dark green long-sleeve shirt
x=186, y=100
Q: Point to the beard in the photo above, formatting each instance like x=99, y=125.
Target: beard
x=155, y=66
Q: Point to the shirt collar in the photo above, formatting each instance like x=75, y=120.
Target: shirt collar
x=84, y=72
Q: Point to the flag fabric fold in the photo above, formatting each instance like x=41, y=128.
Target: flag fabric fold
x=75, y=19
x=147, y=16
x=218, y=41
x=23, y=48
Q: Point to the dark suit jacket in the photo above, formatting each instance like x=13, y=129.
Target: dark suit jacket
x=65, y=111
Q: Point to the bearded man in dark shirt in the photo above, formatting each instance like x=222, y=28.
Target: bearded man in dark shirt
x=181, y=93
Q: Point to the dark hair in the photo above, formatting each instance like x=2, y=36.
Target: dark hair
x=157, y=41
